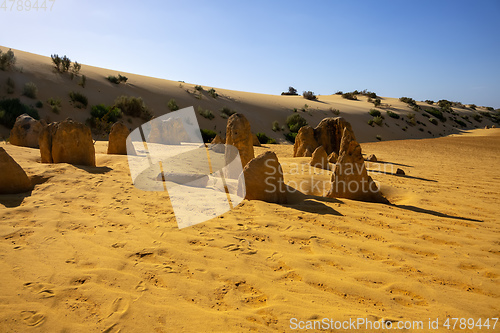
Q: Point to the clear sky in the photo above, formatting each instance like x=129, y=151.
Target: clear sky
x=440, y=49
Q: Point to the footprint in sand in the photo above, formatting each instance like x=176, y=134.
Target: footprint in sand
x=44, y=291
x=32, y=318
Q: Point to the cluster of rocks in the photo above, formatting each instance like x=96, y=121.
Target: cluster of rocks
x=333, y=141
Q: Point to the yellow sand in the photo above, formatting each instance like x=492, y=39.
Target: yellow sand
x=87, y=252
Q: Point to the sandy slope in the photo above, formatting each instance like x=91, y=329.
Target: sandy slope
x=260, y=109
x=87, y=252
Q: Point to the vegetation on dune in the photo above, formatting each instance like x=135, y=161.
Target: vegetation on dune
x=63, y=64
x=133, y=106
x=276, y=126
x=428, y=101
x=78, y=99
x=290, y=136
x=378, y=120
x=213, y=93
x=11, y=108
x=55, y=105
x=198, y=88
x=433, y=121
x=350, y=95
x=7, y=60
x=264, y=139
x=436, y=113
x=206, y=113
x=392, y=114
x=102, y=118
x=309, y=95
x=335, y=111
x=226, y=112
x=30, y=90
x=117, y=79
x=172, y=105
x=11, y=86
x=291, y=92
x=295, y=122
x=374, y=113
x=83, y=81
x=207, y=135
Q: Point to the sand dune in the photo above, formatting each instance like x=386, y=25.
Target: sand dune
x=88, y=252
x=261, y=110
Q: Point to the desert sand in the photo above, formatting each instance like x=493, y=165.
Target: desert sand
x=86, y=251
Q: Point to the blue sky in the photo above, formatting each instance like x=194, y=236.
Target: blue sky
x=441, y=49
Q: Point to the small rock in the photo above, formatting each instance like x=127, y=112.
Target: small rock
x=400, y=171
x=372, y=158
x=13, y=179
x=319, y=159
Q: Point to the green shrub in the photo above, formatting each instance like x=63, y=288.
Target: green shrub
x=378, y=120
x=133, y=106
x=11, y=85
x=198, y=87
x=56, y=60
x=335, y=111
x=264, y=139
x=39, y=104
x=109, y=114
x=393, y=114
x=290, y=136
x=379, y=138
x=226, y=112
x=79, y=100
x=208, y=135
x=7, y=60
x=433, y=121
x=461, y=123
x=489, y=108
x=117, y=79
x=291, y=92
x=374, y=113
x=350, y=95
x=295, y=122
x=83, y=81
x=410, y=101
x=172, y=105
x=436, y=113
x=428, y=101
x=309, y=95
x=76, y=68
x=377, y=102
x=30, y=90
x=206, y=114
x=65, y=64
x=276, y=126
x=473, y=106
x=213, y=93
x=411, y=119
x=370, y=122
x=11, y=108
x=444, y=105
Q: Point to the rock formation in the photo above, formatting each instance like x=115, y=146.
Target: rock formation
x=168, y=132
x=256, y=141
x=328, y=134
x=218, y=140
x=263, y=179
x=13, y=179
x=350, y=179
x=67, y=142
x=305, y=143
x=118, y=140
x=319, y=159
x=333, y=157
x=26, y=131
x=239, y=135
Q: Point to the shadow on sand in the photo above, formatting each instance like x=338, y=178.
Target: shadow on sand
x=310, y=203
x=434, y=213
x=15, y=200
x=94, y=170
x=403, y=176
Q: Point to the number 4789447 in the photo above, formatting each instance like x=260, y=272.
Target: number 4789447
x=26, y=5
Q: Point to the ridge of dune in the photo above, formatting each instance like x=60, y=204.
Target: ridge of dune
x=261, y=110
